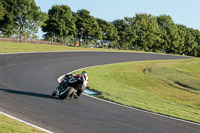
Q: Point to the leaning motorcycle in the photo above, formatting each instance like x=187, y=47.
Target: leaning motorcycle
x=63, y=90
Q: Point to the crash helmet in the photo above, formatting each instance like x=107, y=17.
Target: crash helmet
x=84, y=74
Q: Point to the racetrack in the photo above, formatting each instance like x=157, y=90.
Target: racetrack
x=27, y=80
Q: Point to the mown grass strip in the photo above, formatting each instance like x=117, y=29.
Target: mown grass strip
x=8, y=125
x=166, y=87
x=11, y=47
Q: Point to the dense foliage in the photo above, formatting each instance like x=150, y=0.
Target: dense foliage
x=145, y=32
x=2, y=11
x=21, y=18
x=60, y=24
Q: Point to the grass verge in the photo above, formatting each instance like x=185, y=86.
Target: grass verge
x=8, y=125
x=11, y=47
x=166, y=87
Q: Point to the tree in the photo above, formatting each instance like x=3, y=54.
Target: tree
x=2, y=11
x=182, y=33
x=87, y=26
x=198, y=42
x=147, y=31
x=109, y=32
x=169, y=36
x=21, y=18
x=126, y=33
x=60, y=23
x=43, y=18
x=191, y=43
x=28, y=14
x=8, y=24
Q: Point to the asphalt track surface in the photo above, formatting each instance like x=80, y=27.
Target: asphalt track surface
x=27, y=80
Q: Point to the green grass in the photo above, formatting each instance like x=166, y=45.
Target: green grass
x=11, y=47
x=166, y=87
x=8, y=125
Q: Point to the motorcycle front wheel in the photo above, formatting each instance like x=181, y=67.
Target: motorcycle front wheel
x=66, y=93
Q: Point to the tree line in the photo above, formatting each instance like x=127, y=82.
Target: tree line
x=144, y=32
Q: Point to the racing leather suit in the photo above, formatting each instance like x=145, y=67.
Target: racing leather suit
x=79, y=83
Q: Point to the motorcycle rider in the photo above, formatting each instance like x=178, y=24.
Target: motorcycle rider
x=79, y=82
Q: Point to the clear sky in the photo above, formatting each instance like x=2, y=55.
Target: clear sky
x=186, y=12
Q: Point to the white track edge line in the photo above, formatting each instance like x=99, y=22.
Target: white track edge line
x=145, y=111
x=27, y=123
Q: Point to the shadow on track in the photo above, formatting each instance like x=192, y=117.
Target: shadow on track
x=27, y=93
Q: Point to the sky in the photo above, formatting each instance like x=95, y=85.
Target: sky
x=186, y=12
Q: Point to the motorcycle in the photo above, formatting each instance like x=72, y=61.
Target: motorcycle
x=71, y=85
x=64, y=90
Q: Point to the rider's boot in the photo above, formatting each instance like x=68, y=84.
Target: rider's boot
x=75, y=95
